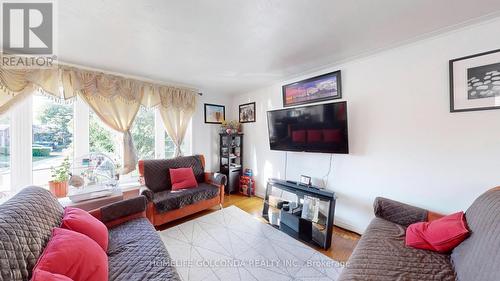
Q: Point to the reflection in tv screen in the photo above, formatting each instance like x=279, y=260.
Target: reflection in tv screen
x=316, y=128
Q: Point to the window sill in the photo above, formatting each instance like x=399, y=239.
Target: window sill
x=129, y=185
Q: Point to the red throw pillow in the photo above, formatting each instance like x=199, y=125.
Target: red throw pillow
x=182, y=178
x=80, y=221
x=73, y=255
x=42, y=275
x=441, y=235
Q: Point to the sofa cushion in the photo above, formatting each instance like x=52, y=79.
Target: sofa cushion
x=81, y=221
x=74, y=255
x=170, y=200
x=478, y=257
x=157, y=176
x=26, y=223
x=441, y=235
x=381, y=255
x=136, y=252
x=182, y=178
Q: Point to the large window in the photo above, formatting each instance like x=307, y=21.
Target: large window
x=58, y=130
x=4, y=153
x=52, y=133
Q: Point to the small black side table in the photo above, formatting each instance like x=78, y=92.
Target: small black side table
x=287, y=191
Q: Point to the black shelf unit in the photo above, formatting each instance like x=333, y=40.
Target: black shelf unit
x=231, y=159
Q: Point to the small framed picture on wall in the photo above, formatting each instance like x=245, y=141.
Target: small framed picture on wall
x=475, y=82
x=247, y=112
x=214, y=113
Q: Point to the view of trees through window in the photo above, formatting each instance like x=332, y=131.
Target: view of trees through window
x=106, y=140
x=143, y=133
x=4, y=153
x=102, y=138
x=52, y=136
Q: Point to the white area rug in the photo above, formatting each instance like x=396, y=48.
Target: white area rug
x=230, y=244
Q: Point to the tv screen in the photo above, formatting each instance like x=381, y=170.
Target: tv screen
x=315, y=128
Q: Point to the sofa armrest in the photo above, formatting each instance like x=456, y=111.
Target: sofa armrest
x=218, y=179
x=146, y=192
x=397, y=212
x=117, y=213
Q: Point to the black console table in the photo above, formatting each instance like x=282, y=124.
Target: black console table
x=284, y=205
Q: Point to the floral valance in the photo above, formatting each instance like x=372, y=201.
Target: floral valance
x=66, y=82
x=115, y=99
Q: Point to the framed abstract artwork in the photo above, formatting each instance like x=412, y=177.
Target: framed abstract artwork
x=475, y=82
x=214, y=113
x=319, y=88
x=247, y=112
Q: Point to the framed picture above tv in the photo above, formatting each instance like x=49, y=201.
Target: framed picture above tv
x=475, y=82
x=214, y=113
x=319, y=88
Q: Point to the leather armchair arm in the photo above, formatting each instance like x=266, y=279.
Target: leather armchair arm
x=146, y=192
x=397, y=212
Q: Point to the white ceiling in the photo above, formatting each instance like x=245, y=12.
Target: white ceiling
x=233, y=46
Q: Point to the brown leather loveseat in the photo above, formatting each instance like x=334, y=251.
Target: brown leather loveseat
x=165, y=205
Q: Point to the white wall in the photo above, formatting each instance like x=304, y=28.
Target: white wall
x=206, y=136
x=404, y=142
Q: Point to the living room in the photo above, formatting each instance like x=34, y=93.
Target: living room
x=234, y=140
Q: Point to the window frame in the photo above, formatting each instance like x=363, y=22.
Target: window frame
x=21, y=134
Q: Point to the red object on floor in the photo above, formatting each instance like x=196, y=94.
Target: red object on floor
x=441, y=235
x=81, y=221
x=182, y=178
x=42, y=275
x=247, y=186
x=74, y=255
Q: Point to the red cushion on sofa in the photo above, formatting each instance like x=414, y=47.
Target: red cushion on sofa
x=74, y=255
x=42, y=275
x=81, y=221
x=182, y=178
x=441, y=235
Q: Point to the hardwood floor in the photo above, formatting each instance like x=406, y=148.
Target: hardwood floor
x=343, y=241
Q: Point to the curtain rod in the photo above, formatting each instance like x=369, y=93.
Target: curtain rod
x=163, y=83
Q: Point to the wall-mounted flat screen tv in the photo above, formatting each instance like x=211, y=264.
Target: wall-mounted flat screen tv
x=315, y=128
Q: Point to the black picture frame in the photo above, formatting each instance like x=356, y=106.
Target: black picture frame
x=207, y=105
x=254, y=113
x=336, y=74
x=453, y=93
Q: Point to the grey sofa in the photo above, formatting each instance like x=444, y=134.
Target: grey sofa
x=382, y=255
x=135, y=250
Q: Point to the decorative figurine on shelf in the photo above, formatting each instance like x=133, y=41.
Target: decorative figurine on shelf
x=231, y=127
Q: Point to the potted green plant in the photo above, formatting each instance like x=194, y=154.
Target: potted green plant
x=60, y=175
